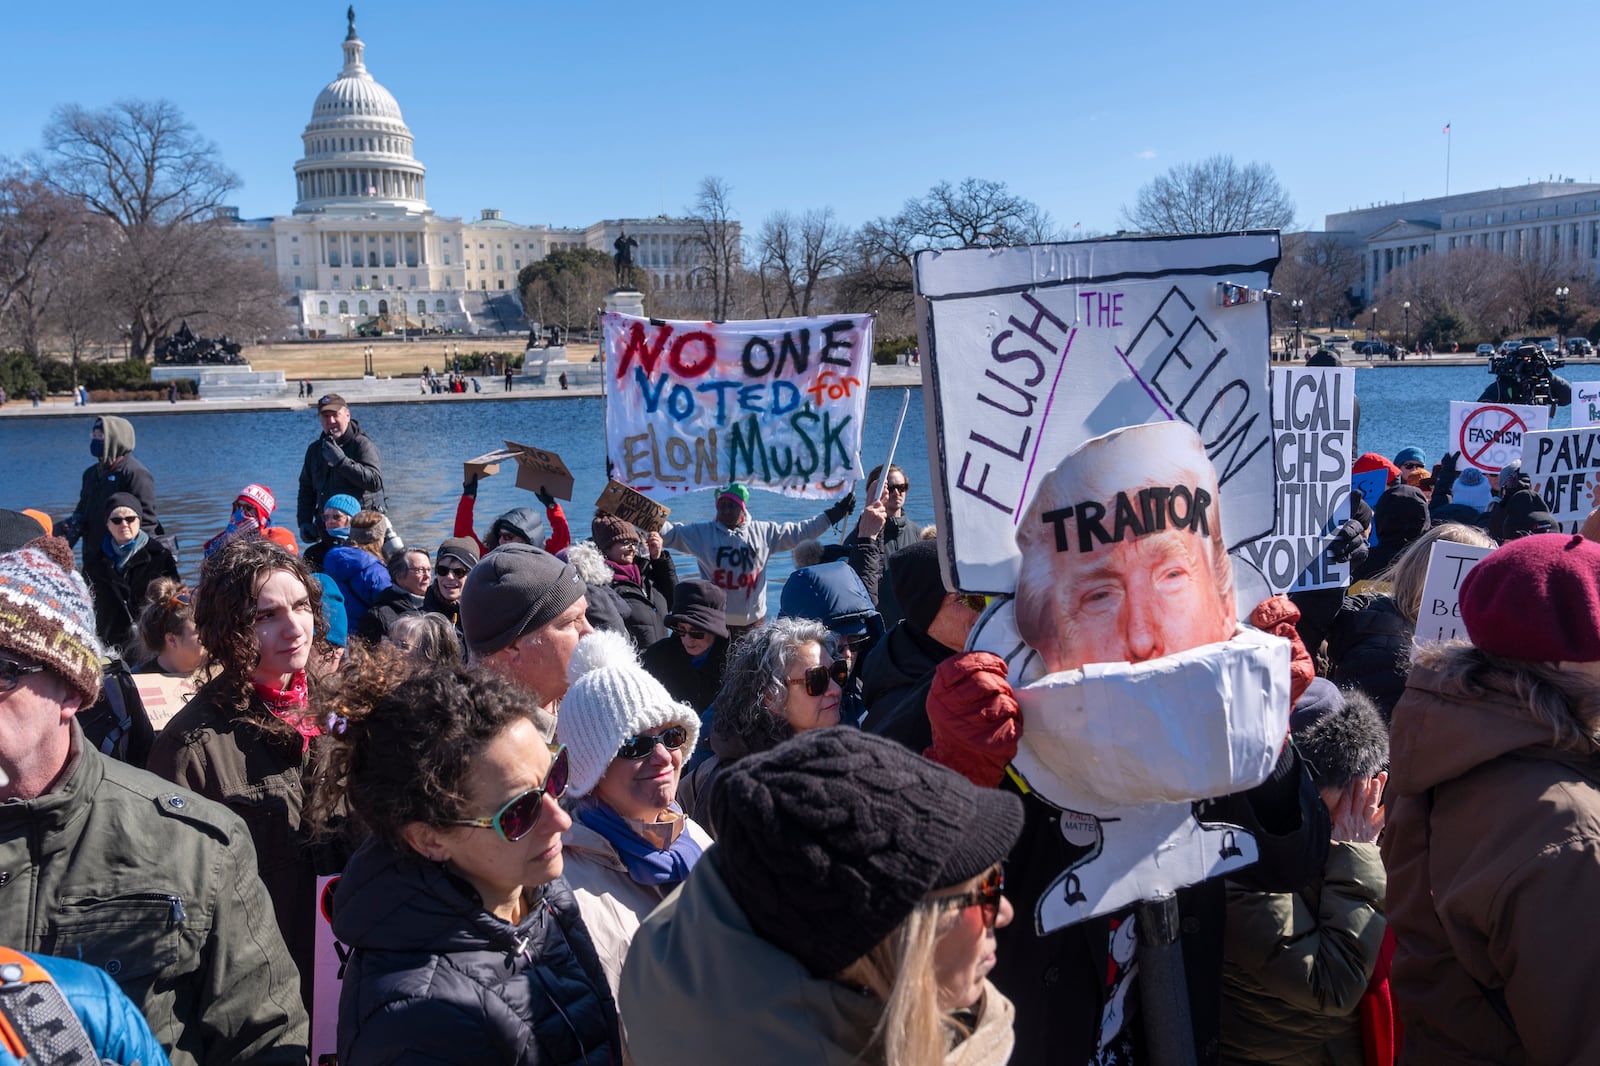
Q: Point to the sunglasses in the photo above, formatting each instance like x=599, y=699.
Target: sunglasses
x=974, y=602
x=125, y=520
x=816, y=679
x=986, y=895
x=518, y=817
x=449, y=571
x=691, y=632
x=643, y=745
x=12, y=672
x=902, y=487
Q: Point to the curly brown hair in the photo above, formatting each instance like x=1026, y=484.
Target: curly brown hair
x=405, y=735
x=224, y=614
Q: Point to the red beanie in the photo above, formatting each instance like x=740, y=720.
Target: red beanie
x=1373, y=461
x=1536, y=599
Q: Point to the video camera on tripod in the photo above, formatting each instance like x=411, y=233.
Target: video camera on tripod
x=1528, y=375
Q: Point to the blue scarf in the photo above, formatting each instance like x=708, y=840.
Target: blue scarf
x=646, y=863
x=121, y=554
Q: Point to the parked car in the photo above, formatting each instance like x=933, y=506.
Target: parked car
x=1486, y=349
x=1547, y=343
x=1579, y=346
x=1338, y=340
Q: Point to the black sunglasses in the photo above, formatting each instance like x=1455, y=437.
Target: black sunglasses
x=691, y=632
x=125, y=520
x=816, y=679
x=986, y=895
x=521, y=813
x=643, y=745
x=450, y=571
x=12, y=672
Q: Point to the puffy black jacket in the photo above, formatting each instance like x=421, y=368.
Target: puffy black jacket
x=358, y=474
x=895, y=681
x=391, y=604
x=896, y=533
x=1399, y=517
x=648, y=604
x=1369, y=646
x=436, y=978
x=669, y=663
x=119, y=596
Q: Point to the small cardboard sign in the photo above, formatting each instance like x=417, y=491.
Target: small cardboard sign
x=163, y=696
x=537, y=468
x=1489, y=435
x=486, y=464
x=1439, y=617
x=633, y=507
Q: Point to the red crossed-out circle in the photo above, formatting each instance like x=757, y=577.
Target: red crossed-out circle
x=1513, y=421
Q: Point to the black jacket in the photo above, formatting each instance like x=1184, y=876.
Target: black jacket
x=436, y=978
x=1399, y=517
x=1057, y=982
x=358, y=474
x=100, y=483
x=119, y=597
x=646, y=606
x=895, y=681
x=1369, y=646
x=896, y=533
x=392, y=602
x=668, y=663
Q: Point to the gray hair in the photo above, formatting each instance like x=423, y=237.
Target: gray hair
x=751, y=703
x=428, y=637
x=397, y=561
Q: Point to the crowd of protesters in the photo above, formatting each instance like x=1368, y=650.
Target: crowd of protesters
x=583, y=811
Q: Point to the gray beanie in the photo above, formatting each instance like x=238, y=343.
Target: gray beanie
x=515, y=589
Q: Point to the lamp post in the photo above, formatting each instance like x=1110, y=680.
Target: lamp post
x=1406, y=307
x=1561, y=316
x=1297, y=306
x=1372, y=331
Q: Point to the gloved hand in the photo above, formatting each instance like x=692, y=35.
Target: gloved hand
x=1277, y=615
x=308, y=533
x=1444, y=481
x=469, y=488
x=332, y=454
x=1348, y=540
x=974, y=717
x=67, y=528
x=545, y=498
x=841, y=509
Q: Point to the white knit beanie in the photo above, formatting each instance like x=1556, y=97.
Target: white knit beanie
x=610, y=698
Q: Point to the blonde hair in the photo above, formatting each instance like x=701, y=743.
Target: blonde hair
x=1564, y=700
x=899, y=971
x=1409, y=571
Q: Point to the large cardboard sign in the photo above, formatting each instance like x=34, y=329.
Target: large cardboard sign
x=1030, y=351
x=632, y=507
x=1564, y=465
x=776, y=404
x=536, y=468
x=1439, y=617
x=1312, y=420
x=1489, y=435
x=1139, y=692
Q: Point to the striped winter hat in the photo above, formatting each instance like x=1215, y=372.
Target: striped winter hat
x=46, y=615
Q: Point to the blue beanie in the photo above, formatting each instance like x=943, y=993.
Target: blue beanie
x=333, y=610
x=347, y=504
x=1410, y=455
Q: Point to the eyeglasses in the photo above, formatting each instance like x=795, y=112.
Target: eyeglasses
x=421, y=570
x=125, y=520
x=449, y=571
x=987, y=895
x=691, y=632
x=643, y=745
x=902, y=487
x=13, y=671
x=816, y=679
x=518, y=817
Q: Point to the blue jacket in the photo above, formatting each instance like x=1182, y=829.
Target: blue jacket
x=114, y=1025
x=360, y=576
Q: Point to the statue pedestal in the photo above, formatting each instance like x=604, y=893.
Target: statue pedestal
x=626, y=302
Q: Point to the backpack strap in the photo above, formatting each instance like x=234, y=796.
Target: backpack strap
x=37, y=1024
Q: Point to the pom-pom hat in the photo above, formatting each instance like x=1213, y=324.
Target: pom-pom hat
x=610, y=698
x=46, y=615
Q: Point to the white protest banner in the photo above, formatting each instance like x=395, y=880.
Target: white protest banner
x=1586, y=403
x=1489, y=435
x=776, y=404
x=1312, y=409
x=1030, y=351
x=327, y=976
x=1564, y=465
x=1439, y=617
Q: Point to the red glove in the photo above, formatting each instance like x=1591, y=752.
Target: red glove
x=1278, y=616
x=974, y=715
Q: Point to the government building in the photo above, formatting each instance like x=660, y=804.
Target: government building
x=1555, y=220
x=363, y=251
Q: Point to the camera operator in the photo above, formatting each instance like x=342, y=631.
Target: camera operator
x=1527, y=376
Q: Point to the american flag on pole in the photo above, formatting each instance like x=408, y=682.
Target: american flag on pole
x=1447, y=127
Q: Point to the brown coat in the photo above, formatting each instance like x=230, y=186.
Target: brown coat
x=1493, y=852
x=214, y=750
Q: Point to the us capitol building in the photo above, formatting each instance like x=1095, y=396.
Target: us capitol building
x=363, y=243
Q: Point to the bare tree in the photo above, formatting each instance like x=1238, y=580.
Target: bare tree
x=796, y=256
x=1322, y=270
x=1215, y=195
x=715, y=247
x=34, y=220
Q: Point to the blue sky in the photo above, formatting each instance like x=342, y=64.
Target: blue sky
x=567, y=113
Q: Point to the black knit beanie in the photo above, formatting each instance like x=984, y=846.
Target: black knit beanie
x=918, y=583
x=828, y=841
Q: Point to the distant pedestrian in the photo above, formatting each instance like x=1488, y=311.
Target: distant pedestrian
x=562, y=378
x=2, y=396
x=172, y=392
x=475, y=386
x=508, y=378
x=33, y=394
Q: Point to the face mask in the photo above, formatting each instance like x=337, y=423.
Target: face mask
x=97, y=448
x=1202, y=723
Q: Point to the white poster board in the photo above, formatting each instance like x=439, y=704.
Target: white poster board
x=1586, y=403
x=776, y=404
x=1030, y=351
x=1313, y=411
x=1564, y=465
x=1489, y=435
x=1439, y=617
x=327, y=976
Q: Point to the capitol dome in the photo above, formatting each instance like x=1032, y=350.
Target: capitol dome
x=358, y=148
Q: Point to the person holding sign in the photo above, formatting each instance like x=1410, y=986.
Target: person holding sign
x=733, y=549
x=1493, y=839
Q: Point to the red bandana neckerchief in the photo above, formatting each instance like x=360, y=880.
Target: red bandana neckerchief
x=290, y=704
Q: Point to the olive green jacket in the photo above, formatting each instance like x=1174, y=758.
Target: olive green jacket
x=158, y=887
